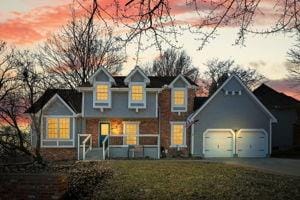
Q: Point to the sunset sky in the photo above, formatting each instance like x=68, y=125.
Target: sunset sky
x=27, y=23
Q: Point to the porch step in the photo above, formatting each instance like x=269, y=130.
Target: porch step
x=94, y=154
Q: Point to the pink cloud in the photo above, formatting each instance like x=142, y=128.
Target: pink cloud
x=286, y=86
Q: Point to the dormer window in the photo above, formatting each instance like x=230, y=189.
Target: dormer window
x=102, y=95
x=179, y=94
x=179, y=100
x=137, y=95
x=102, y=92
x=179, y=97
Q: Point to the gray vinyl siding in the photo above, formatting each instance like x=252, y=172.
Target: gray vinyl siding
x=180, y=83
x=57, y=108
x=137, y=77
x=283, y=130
x=119, y=108
x=101, y=77
x=229, y=112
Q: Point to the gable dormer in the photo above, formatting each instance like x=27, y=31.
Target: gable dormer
x=102, y=82
x=137, y=82
x=179, y=94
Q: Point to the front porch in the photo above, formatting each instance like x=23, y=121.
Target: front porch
x=119, y=138
x=119, y=146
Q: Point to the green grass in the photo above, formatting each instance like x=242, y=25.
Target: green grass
x=170, y=179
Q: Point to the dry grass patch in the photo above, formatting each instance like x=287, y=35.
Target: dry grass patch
x=171, y=179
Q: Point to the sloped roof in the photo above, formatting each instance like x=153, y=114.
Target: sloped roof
x=198, y=102
x=251, y=95
x=155, y=81
x=71, y=97
x=273, y=99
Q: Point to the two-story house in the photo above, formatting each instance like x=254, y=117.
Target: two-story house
x=146, y=116
x=134, y=114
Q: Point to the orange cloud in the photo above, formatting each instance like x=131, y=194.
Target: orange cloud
x=35, y=25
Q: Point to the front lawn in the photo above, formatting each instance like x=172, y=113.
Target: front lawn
x=170, y=179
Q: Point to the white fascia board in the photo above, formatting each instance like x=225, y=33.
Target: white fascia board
x=136, y=69
x=111, y=79
x=178, y=77
x=246, y=89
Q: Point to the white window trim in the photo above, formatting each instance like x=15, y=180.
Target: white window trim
x=144, y=95
x=58, y=140
x=179, y=106
x=184, y=133
x=124, y=131
x=95, y=96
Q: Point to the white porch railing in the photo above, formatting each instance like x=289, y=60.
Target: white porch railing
x=105, y=149
x=124, y=141
x=88, y=137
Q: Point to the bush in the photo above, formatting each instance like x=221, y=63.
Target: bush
x=84, y=178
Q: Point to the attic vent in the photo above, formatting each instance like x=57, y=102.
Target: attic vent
x=239, y=92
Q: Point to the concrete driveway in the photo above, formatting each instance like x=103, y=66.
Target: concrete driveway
x=274, y=165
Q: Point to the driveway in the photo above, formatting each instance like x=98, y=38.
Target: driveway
x=274, y=165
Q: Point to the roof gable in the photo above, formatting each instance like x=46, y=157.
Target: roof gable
x=54, y=100
x=141, y=77
x=274, y=99
x=101, y=75
x=247, y=91
x=71, y=97
x=179, y=81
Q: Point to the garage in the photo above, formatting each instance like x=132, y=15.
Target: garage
x=218, y=143
x=251, y=143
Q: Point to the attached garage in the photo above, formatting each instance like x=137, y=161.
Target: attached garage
x=218, y=143
x=231, y=123
x=252, y=143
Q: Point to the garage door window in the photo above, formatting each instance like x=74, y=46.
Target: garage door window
x=178, y=134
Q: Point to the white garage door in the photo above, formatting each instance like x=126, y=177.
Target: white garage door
x=218, y=143
x=251, y=143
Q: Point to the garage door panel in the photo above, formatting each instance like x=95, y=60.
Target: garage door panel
x=218, y=144
x=251, y=143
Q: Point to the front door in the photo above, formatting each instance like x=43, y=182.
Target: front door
x=104, y=130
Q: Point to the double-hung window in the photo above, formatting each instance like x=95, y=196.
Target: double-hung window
x=179, y=100
x=137, y=95
x=178, y=134
x=102, y=95
x=58, y=128
x=131, y=130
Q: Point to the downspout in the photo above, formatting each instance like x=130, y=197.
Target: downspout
x=158, y=115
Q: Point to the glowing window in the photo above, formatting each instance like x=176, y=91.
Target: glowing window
x=104, y=129
x=58, y=128
x=102, y=92
x=177, y=134
x=131, y=130
x=179, y=97
x=137, y=93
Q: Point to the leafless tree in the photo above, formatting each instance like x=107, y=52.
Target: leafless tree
x=294, y=62
x=156, y=20
x=30, y=81
x=79, y=49
x=173, y=63
x=6, y=71
x=218, y=71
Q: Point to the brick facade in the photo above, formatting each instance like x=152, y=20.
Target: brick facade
x=147, y=126
x=166, y=116
x=33, y=186
x=57, y=154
